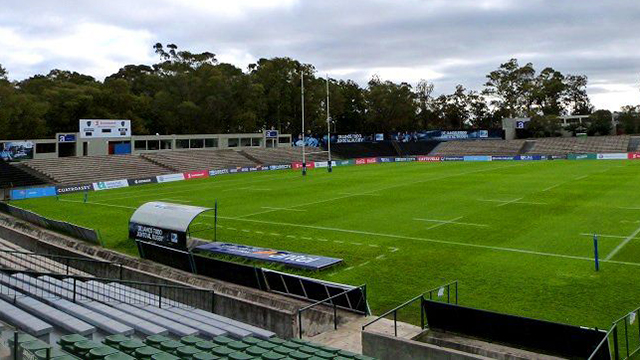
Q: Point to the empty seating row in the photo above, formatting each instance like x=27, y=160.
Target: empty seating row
x=189, y=160
x=12, y=175
x=286, y=155
x=159, y=347
x=596, y=144
x=78, y=170
x=478, y=147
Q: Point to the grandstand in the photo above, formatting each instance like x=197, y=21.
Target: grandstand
x=479, y=147
x=198, y=159
x=65, y=313
x=284, y=155
x=596, y=144
x=78, y=170
x=15, y=176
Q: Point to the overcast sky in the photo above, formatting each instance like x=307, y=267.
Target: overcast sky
x=445, y=41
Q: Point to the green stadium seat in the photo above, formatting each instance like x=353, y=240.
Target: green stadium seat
x=53, y=354
x=186, y=352
x=308, y=349
x=33, y=346
x=347, y=354
x=222, y=340
x=115, y=340
x=222, y=351
x=82, y=348
x=267, y=345
x=299, y=355
x=146, y=352
x=130, y=346
x=324, y=354
x=284, y=350
x=68, y=340
x=191, y=340
x=251, y=340
x=204, y=356
x=171, y=346
x=164, y=356
x=272, y=355
x=292, y=345
x=119, y=356
x=238, y=345
x=156, y=340
x=101, y=352
x=239, y=356
x=206, y=345
x=277, y=341
x=256, y=351
x=364, y=357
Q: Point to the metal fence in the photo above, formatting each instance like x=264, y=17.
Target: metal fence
x=333, y=301
x=623, y=338
x=58, y=264
x=451, y=290
x=78, y=289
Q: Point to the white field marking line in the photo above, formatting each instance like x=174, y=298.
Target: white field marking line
x=622, y=244
x=380, y=257
x=374, y=245
x=630, y=222
x=177, y=200
x=442, y=223
x=274, y=234
x=552, y=187
x=435, y=241
x=356, y=194
x=604, y=236
x=306, y=238
x=291, y=236
x=452, y=221
x=277, y=208
x=96, y=203
x=245, y=230
x=510, y=202
x=231, y=228
x=364, y=263
x=385, y=188
x=514, y=201
x=581, y=177
x=259, y=232
x=250, y=188
x=629, y=208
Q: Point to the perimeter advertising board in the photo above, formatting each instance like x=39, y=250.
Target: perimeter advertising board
x=170, y=177
x=429, y=158
x=73, y=188
x=613, y=156
x=158, y=235
x=190, y=175
x=142, y=181
x=297, y=260
x=31, y=193
x=108, y=185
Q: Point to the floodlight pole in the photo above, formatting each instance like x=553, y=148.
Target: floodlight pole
x=328, y=127
x=304, y=159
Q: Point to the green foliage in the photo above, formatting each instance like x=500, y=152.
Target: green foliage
x=629, y=119
x=600, y=123
x=187, y=92
x=544, y=126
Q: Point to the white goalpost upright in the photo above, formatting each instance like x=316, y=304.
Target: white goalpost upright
x=304, y=145
x=304, y=159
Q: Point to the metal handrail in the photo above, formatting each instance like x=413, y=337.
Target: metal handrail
x=606, y=338
x=394, y=311
x=362, y=287
x=159, y=286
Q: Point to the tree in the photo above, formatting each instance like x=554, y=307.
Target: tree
x=599, y=123
x=3, y=73
x=510, y=88
x=390, y=106
x=544, y=126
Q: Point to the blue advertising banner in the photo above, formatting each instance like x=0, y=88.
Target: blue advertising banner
x=452, y=158
x=477, y=158
x=386, y=159
x=530, y=157
x=63, y=138
x=303, y=261
x=22, y=194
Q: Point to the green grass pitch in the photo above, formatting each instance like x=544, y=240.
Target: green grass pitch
x=515, y=234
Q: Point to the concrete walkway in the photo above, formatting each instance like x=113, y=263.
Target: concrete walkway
x=348, y=336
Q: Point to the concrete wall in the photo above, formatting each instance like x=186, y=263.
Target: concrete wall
x=387, y=347
x=266, y=310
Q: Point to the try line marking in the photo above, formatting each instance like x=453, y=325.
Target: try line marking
x=452, y=221
x=514, y=201
x=395, y=236
x=279, y=208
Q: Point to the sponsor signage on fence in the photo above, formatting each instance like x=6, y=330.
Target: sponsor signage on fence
x=108, y=185
x=371, y=160
x=582, y=156
x=614, y=156
x=634, y=156
x=476, y=158
x=530, y=157
x=387, y=159
x=170, y=177
x=142, y=181
x=73, y=188
x=64, y=138
x=298, y=165
x=218, y=172
x=453, y=158
x=502, y=158
x=304, y=261
x=160, y=236
x=429, y=158
x=350, y=138
x=280, y=167
x=405, y=159
x=30, y=193
x=361, y=161
x=196, y=174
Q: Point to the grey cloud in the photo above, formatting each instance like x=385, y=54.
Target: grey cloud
x=596, y=38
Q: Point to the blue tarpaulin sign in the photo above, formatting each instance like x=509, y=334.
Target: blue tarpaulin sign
x=30, y=193
x=303, y=261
